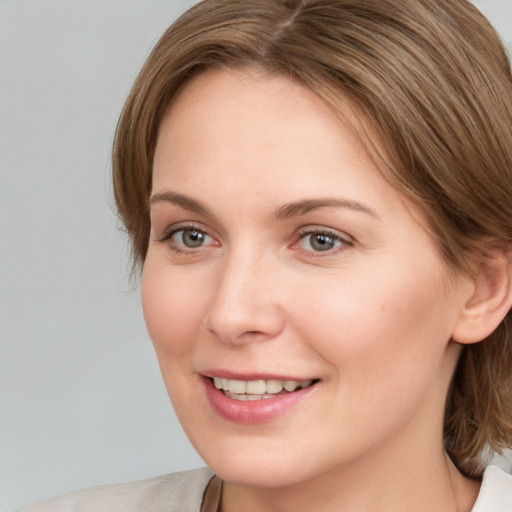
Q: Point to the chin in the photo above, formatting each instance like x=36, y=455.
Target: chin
x=268, y=473
x=257, y=461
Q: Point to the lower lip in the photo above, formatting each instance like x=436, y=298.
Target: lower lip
x=255, y=411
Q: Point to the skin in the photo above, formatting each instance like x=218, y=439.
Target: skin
x=372, y=318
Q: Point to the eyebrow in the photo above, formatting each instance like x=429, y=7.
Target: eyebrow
x=294, y=209
x=181, y=200
x=298, y=208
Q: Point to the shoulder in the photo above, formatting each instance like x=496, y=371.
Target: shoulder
x=181, y=492
x=496, y=491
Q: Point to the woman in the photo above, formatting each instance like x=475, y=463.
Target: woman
x=318, y=194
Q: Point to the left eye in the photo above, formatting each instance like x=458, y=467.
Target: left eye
x=190, y=237
x=320, y=241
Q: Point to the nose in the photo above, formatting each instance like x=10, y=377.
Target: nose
x=245, y=305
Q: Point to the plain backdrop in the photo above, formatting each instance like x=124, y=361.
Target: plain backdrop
x=81, y=397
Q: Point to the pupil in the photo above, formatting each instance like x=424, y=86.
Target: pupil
x=193, y=238
x=322, y=242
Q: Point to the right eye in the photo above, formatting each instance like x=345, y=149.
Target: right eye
x=189, y=238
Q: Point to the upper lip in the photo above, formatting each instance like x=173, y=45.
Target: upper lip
x=247, y=376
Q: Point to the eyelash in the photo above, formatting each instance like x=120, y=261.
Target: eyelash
x=343, y=242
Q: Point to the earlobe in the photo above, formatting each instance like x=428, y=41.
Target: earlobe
x=490, y=300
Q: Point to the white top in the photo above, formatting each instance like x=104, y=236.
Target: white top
x=495, y=493
x=184, y=492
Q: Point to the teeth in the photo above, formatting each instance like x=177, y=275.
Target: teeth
x=290, y=385
x=247, y=398
x=257, y=389
x=236, y=386
x=274, y=386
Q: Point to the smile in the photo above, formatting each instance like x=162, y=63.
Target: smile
x=253, y=401
x=258, y=389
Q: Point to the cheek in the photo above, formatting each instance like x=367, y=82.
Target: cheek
x=384, y=342
x=172, y=310
x=371, y=325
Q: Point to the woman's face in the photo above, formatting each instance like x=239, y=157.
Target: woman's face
x=280, y=258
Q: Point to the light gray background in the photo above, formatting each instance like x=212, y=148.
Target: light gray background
x=81, y=396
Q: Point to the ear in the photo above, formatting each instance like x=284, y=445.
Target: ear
x=490, y=298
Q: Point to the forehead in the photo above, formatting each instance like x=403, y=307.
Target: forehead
x=239, y=110
x=267, y=133
x=244, y=96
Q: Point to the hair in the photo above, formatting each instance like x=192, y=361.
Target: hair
x=430, y=77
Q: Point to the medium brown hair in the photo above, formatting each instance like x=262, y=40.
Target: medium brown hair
x=432, y=79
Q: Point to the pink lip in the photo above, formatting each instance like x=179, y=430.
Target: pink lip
x=256, y=411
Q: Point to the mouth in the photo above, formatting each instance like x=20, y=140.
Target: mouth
x=251, y=390
x=253, y=399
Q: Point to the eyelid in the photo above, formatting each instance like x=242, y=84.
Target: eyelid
x=173, y=228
